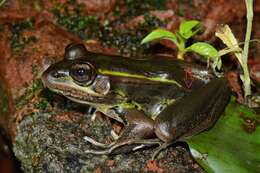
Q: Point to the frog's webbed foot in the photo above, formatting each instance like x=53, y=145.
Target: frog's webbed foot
x=131, y=145
x=126, y=144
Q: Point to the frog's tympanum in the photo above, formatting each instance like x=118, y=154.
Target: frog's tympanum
x=159, y=100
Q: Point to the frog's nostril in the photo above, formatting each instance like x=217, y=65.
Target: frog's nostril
x=55, y=74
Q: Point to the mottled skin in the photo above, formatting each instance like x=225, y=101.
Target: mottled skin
x=151, y=96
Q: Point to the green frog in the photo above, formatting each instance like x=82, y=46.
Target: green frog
x=158, y=100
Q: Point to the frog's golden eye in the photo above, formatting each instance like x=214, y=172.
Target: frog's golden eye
x=83, y=74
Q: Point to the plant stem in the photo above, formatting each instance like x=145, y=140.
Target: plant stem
x=246, y=77
x=2, y=2
x=180, y=55
x=226, y=51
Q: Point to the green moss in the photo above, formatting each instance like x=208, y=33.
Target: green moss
x=35, y=69
x=17, y=42
x=30, y=92
x=36, y=86
x=137, y=6
x=71, y=1
x=189, y=2
x=75, y=22
x=3, y=101
x=128, y=41
x=180, y=13
x=42, y=105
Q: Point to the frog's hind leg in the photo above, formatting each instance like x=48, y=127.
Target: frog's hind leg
x=127, y=146
x=137, y=131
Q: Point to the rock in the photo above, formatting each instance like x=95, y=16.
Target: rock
x=54, y=143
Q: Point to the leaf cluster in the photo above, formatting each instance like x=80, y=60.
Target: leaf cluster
x=186, y=30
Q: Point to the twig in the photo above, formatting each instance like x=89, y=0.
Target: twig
x=246, y=76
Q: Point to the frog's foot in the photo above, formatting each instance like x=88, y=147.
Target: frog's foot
x=131, y=145
x=126, y=146
x=128, y=136
x=160, y=148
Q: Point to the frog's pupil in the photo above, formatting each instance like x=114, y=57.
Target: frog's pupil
x=81, y=72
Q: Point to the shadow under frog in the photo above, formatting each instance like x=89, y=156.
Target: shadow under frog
x=160, y=101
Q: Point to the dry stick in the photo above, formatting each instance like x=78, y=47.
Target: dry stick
x=246, y=77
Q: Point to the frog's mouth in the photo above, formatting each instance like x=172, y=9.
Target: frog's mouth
x=76, y=95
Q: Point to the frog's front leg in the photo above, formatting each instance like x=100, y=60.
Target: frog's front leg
x=137, y=130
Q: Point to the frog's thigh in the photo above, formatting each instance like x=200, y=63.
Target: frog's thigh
x=193, y=113
x=138, y=126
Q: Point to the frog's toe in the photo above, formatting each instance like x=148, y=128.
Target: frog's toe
x=114, y=135
x=97, y=152
x=96, y=143
x=160, y=148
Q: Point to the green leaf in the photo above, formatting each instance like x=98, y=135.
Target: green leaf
x=203, y=49
x=217, y=63
x=232, y=145
x=189, y=28
x=160, y=34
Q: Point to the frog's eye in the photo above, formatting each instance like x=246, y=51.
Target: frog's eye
x=74, y=51
x=83, y=74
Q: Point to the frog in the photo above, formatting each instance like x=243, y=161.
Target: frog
x=159, y=100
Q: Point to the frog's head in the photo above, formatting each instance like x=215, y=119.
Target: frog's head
x=77, y=78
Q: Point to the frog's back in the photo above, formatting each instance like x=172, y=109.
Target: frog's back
x=150, y=83
x=154, y=68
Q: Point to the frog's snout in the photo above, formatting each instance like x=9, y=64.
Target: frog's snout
x=57, y=74
x=52, y=75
